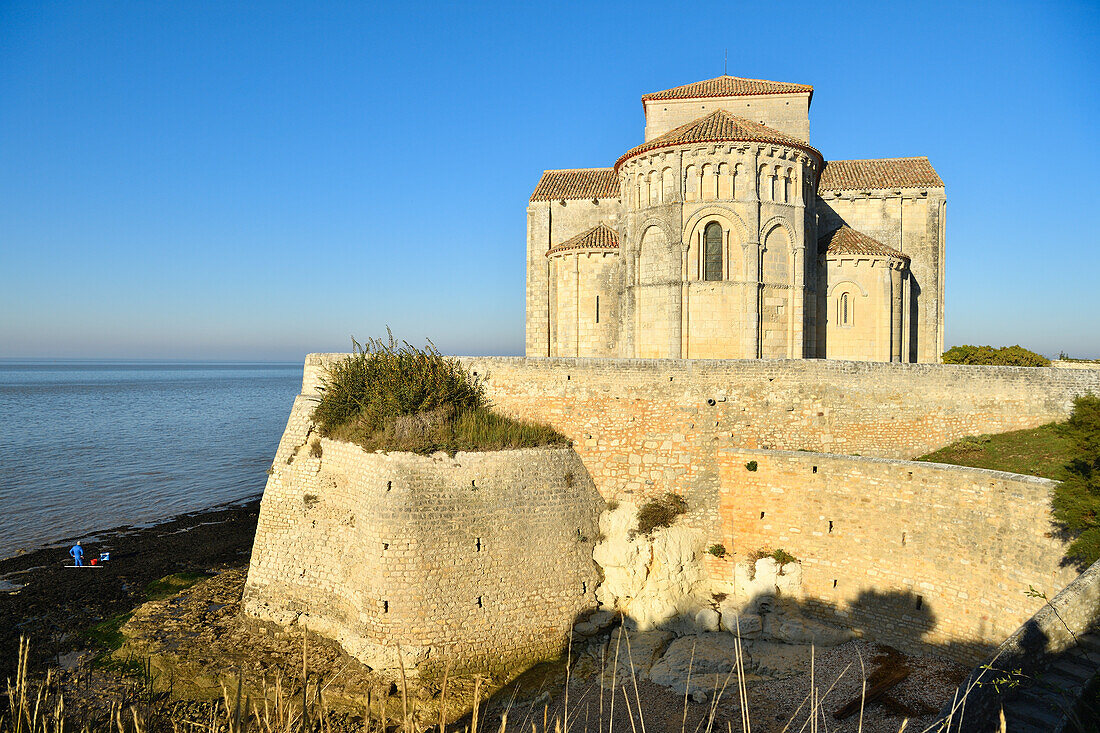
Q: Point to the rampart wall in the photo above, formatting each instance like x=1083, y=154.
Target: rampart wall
x=919, y=555
x=485, y=557
x=922, y=555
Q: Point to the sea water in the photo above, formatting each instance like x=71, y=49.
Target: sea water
x=86, y=446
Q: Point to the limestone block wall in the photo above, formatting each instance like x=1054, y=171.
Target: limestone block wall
x=917, y=554
x=484, y=558
x=789, y=113
x=911, y=221
x=584, y=303
x=644, y=427
x=863, y=299
x=754, y=303
x=550, y=223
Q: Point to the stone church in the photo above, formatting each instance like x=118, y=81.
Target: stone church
x=726, y=235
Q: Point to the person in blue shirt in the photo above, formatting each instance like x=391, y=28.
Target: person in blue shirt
x=78, y=555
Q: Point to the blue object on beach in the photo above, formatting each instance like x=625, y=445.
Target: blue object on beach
x=78, y=554
x=104, y=556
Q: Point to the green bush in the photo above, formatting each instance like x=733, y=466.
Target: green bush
x=1076, y=499
x=660, y=513
x=782, y=557
x=990, y=356
x=751, y=466
x=389, y=395
x=718, y=550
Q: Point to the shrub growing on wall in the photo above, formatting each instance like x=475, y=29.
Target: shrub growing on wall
x=660, y=513
x=1077, y=499
x=990, y=356
x=390, y=395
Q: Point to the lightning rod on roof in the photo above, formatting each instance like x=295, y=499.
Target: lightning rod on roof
x=725, y=60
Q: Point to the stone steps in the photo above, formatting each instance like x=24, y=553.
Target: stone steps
x=1046, y=703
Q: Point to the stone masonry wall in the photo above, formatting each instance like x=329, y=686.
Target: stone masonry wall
x=916, y=554
x=643, y=427
x=485, y=557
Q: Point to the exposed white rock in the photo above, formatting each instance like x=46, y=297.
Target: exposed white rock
x=630, y=655
x=709, y=657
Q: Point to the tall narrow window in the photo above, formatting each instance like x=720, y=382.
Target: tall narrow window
x=597, y=309
x=845, y=313
x=712, y=251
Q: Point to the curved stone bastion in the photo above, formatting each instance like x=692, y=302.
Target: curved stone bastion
x=483, y=559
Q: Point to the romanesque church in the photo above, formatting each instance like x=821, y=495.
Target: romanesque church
x=726, y=235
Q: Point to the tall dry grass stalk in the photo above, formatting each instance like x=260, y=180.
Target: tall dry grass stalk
x=39, y=707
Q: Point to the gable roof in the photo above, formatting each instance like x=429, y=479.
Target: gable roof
x=843, y=175
x=719, y=126
x=847, y=241
x=600, y=236
x=577, y=183
x=728, y=86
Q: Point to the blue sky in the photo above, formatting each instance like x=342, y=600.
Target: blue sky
x=257, y=181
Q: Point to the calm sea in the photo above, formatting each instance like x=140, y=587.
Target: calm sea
x=93, y=445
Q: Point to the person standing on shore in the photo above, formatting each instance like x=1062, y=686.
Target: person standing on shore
x=78, y=555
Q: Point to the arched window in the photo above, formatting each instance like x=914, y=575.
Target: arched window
x=845, y=311
x=712, y=251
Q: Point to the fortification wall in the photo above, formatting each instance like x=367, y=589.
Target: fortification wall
x=485, y=556
x=917, y=554
x=967, y=542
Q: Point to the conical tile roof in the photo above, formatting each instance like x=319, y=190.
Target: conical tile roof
x=600, y=236
x=847, y=241
x=719, y=126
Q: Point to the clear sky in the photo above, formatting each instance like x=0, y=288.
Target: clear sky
x=260, y=180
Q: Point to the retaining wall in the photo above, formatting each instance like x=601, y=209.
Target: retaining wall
x=485, y=557
x=647, y=426
x=924, y=556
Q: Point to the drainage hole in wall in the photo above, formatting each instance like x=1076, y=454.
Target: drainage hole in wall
x=479, y=603
x=920, y=601
x=830, y=526
x=711, y=402
x=815, y=469
x=385, y=606
x=761, y=515
x=385, y=546
x=567, y=377
x=478, y=544
x=473, y=485
x=834, y=582
x=584, y=588
x=389, y=485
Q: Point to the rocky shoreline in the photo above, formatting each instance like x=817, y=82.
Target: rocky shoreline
x=57, y=607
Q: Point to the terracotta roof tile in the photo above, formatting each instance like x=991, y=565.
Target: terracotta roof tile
x=846, y=175
x=847, y=241
x=728, y=86
x=600, y=236
x=577, y=183
x=719, y=126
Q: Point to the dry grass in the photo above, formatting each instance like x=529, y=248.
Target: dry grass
x=392, y=396
x=37, y=707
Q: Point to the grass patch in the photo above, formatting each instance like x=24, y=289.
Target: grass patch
x=107, y=635
x=170, y=585
x=1042, y=451
x=391, y=396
